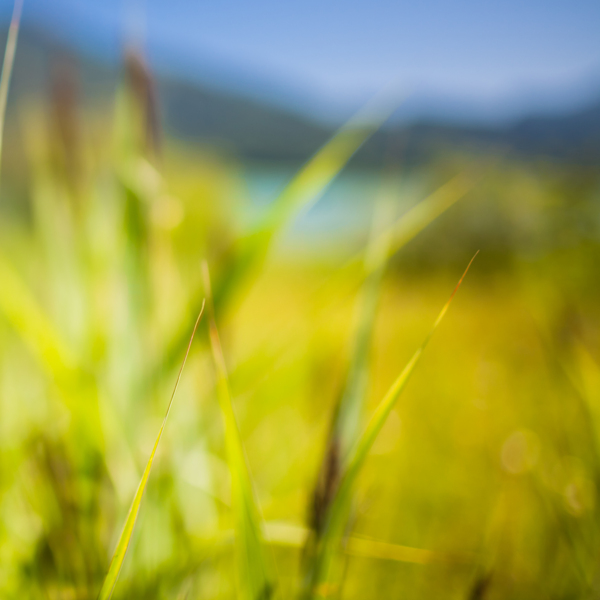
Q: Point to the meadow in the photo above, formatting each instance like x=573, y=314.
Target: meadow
x=321, y=443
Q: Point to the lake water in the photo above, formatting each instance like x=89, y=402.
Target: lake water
x=344, y=213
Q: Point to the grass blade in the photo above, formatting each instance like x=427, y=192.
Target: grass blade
x=347, y=415
x=7, y=65
x=353, y=272
x=21, y=310
x=336, y=518
x=383, y=410
x=410, y=224
x=254, y=568
x=76, y=386
x=375, y=260
x=290, y=535
x=426, y=211
x=304, y=190
x=119, y=554
x=312, y=180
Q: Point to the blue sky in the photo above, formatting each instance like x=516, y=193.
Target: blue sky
x=342, y=51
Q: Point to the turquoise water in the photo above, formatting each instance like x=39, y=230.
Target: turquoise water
x=342, y=216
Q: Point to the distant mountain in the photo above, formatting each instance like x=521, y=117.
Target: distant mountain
x=259, y=131
x=573, y=136
x=243, y=126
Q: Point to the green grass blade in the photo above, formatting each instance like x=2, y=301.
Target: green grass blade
x=76, y=386
x=348, y=415
x=383, y=410
x=304, y=190
x=426, y=211
x=314, y=178
x=21, y=310
x=339, y=507
x=254, y=569
x=119, y=554
x=392, y=239
x=7, y=65
x=409, y=225
x=289, y=535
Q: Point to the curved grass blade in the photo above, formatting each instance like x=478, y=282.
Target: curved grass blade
x=7, y=65
x=336, y=518
x=304, y=190
x=254, y=568
x=410, y=224
x=383, y=410
x=119, y=554
x=392, y=239
x=347, y=419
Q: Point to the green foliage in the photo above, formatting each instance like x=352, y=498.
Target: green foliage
x=483, y=482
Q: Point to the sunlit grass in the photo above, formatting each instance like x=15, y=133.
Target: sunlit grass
x=289, y=468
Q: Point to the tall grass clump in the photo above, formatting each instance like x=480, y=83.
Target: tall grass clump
x=86, y=314
x=289, y=468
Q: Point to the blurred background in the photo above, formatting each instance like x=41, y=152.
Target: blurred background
x=337, y=165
